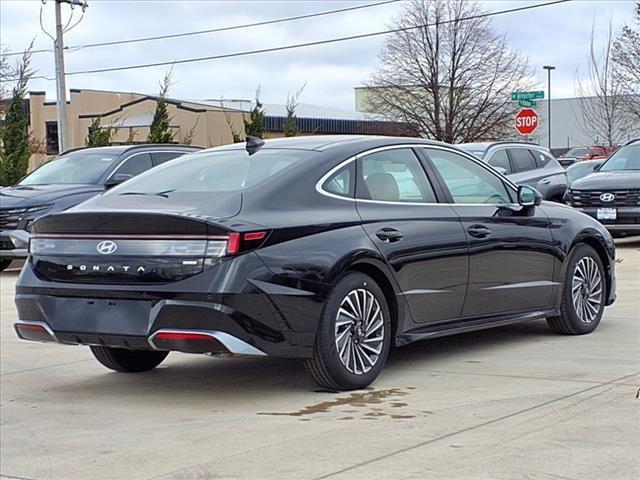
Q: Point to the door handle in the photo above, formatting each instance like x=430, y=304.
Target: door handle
x=479, y=231
x=545, y=181
x=389, y=235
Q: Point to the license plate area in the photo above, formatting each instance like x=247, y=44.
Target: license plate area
x=606, y=214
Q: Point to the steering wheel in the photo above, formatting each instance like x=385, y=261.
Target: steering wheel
x=495, y=198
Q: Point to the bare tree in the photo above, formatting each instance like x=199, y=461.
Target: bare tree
x=626, y=58
x=448, y=73
x=600, y=95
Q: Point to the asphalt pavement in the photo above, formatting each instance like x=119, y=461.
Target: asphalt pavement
x=517, y=402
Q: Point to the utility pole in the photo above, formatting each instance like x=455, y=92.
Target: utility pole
x=548, y=68
x=61, y=84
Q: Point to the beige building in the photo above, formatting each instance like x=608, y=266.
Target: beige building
x=208, y=123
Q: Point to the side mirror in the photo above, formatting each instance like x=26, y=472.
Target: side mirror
x=528, y=196
x=596, y=167
x=500, y=170
x=117, y=179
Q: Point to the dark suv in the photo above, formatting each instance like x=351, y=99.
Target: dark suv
x=68, y=180
x=524, y=164
x=611, y=193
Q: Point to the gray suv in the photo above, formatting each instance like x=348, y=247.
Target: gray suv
x=67, y=180
x=524, y=164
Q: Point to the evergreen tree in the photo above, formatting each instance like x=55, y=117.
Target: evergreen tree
x=15, y=144
x=290, y=127
x=254, y=127
x=160, y=132
x=98, y=136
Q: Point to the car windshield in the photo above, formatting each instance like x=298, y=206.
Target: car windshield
x=627, y=158
x=474, y=149
x=578, y=170
x=214, y=171
x=75, y=167
x=577, y=152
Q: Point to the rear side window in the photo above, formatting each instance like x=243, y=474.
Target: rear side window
x=161, y=157
x=500, y=159
x=541, y=158
x=522, y=160
x=394, y=175
x=135, y=165
x=342, y=182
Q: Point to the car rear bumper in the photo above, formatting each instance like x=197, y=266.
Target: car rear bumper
x=207, y=313
x=14, y=244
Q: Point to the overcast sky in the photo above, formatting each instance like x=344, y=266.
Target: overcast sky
x=557, y=35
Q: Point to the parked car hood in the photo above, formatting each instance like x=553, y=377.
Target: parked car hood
x=618, y=180
x=31, y=195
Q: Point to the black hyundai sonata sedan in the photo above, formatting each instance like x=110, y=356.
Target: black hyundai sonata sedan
x=330, y=249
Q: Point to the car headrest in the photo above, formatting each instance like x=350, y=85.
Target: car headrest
x=383, y=186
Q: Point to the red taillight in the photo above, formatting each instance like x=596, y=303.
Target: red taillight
x=238, y=242
x=249, y=237
x=233, y=244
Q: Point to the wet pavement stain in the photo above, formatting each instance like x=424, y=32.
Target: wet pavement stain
x=399, y=405
x=358, y=399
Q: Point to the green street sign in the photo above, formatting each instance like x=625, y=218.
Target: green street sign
x=527, y=103
x=536, y=95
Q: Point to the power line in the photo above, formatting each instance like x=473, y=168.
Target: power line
x=219, y=29
x=310, y=44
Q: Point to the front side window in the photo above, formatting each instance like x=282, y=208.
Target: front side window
x=74, y=167
x=501, y=160
x=393, y=175
x=627, y=158
x=522, y=160
x=214, y=171
x=135, y=165
x=468, y=182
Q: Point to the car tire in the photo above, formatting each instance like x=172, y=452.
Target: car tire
x=583, y=295
x=352, y=342
x=4, y=264
x=123, y=360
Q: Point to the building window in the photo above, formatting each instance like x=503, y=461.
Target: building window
x=52, y=138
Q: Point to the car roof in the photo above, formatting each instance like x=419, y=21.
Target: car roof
x=120, y=149
x=326, y=142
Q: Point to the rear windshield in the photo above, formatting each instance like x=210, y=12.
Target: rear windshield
x=577, y=152
x=215, y=171
x=76, y=167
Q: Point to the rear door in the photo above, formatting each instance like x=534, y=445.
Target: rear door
x=525, y=169
x=421, y=239
x=510, y=248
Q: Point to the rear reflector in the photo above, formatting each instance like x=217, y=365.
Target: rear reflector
x=188, y=342
x=181, y=336
x=34, y=331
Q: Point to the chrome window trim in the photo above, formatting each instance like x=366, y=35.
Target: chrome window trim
x=469, y=156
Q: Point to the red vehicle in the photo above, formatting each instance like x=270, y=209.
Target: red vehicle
x=578, y=154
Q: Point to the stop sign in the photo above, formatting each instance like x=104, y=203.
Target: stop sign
x=527, y=121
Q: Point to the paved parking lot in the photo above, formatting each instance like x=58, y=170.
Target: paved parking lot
x=510, y=403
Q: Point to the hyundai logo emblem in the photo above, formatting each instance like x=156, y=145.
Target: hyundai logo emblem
x=107, y=247
x=607, y=197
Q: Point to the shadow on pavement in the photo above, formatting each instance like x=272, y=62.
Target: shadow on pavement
x=191, y=376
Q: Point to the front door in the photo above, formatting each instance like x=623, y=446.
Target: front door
x=510, y=247
x=421, y=240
